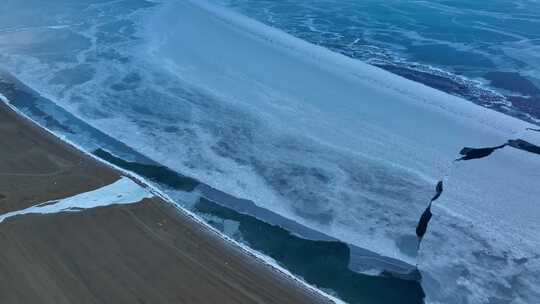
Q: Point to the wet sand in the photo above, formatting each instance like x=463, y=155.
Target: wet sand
x=148, y=252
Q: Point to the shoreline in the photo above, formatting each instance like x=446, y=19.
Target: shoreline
x=274, y=270
x=367, y=268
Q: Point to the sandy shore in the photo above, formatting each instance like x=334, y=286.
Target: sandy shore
x=37, y=167
x=147, y=252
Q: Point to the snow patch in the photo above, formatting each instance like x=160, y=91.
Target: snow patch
x=124, y=191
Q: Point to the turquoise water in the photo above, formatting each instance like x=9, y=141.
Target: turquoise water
x=455, y=46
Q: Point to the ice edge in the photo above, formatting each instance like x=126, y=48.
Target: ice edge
x=153, y=190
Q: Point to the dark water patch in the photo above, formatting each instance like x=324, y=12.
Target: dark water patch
x=512, y=81
x=434, y=81
x=524, y=146
x=361, y=259
x=477, y=153
x=156, y=173
x=423, y=223
x=2, y=196
x=529, y=105
x=321, y=263
x=422, y=226
x=247, y=207
x=438, y=191
x=446, y=84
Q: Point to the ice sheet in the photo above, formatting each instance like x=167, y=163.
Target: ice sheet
x=386, y=121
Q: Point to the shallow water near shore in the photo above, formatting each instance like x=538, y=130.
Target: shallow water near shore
x=328, y=265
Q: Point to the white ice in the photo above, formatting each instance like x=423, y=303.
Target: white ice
x=124, y=191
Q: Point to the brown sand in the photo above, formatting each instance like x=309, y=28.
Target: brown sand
x=37, y=167
x=147, y=252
